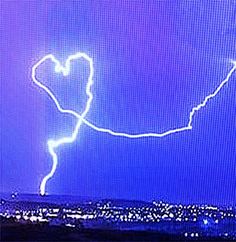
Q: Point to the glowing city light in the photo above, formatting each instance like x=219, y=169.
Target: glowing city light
x=205, y=221
x=65, y=70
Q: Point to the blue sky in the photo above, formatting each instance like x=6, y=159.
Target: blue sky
x=153, y=62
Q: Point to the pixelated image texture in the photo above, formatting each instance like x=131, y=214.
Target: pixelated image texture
x=123, y=99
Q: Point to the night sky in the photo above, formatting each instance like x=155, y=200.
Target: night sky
x=153, y=61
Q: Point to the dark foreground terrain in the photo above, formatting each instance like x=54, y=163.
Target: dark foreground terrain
x=28, y=217
x=30, y=232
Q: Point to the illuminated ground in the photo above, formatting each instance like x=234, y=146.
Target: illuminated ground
x=70, y=218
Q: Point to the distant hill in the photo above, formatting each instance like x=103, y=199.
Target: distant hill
x=66, y=199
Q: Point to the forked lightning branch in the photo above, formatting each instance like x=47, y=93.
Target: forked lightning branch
x=81, y=118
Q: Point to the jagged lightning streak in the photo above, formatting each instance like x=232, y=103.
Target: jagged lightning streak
x=52, y=144
x=65, y=70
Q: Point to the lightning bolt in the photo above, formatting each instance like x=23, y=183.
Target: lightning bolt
x=65, y=70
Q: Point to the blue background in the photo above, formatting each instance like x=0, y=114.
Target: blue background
x=153, y=61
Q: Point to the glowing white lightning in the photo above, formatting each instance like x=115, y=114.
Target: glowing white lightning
x=52, y=144
x=65, y=70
